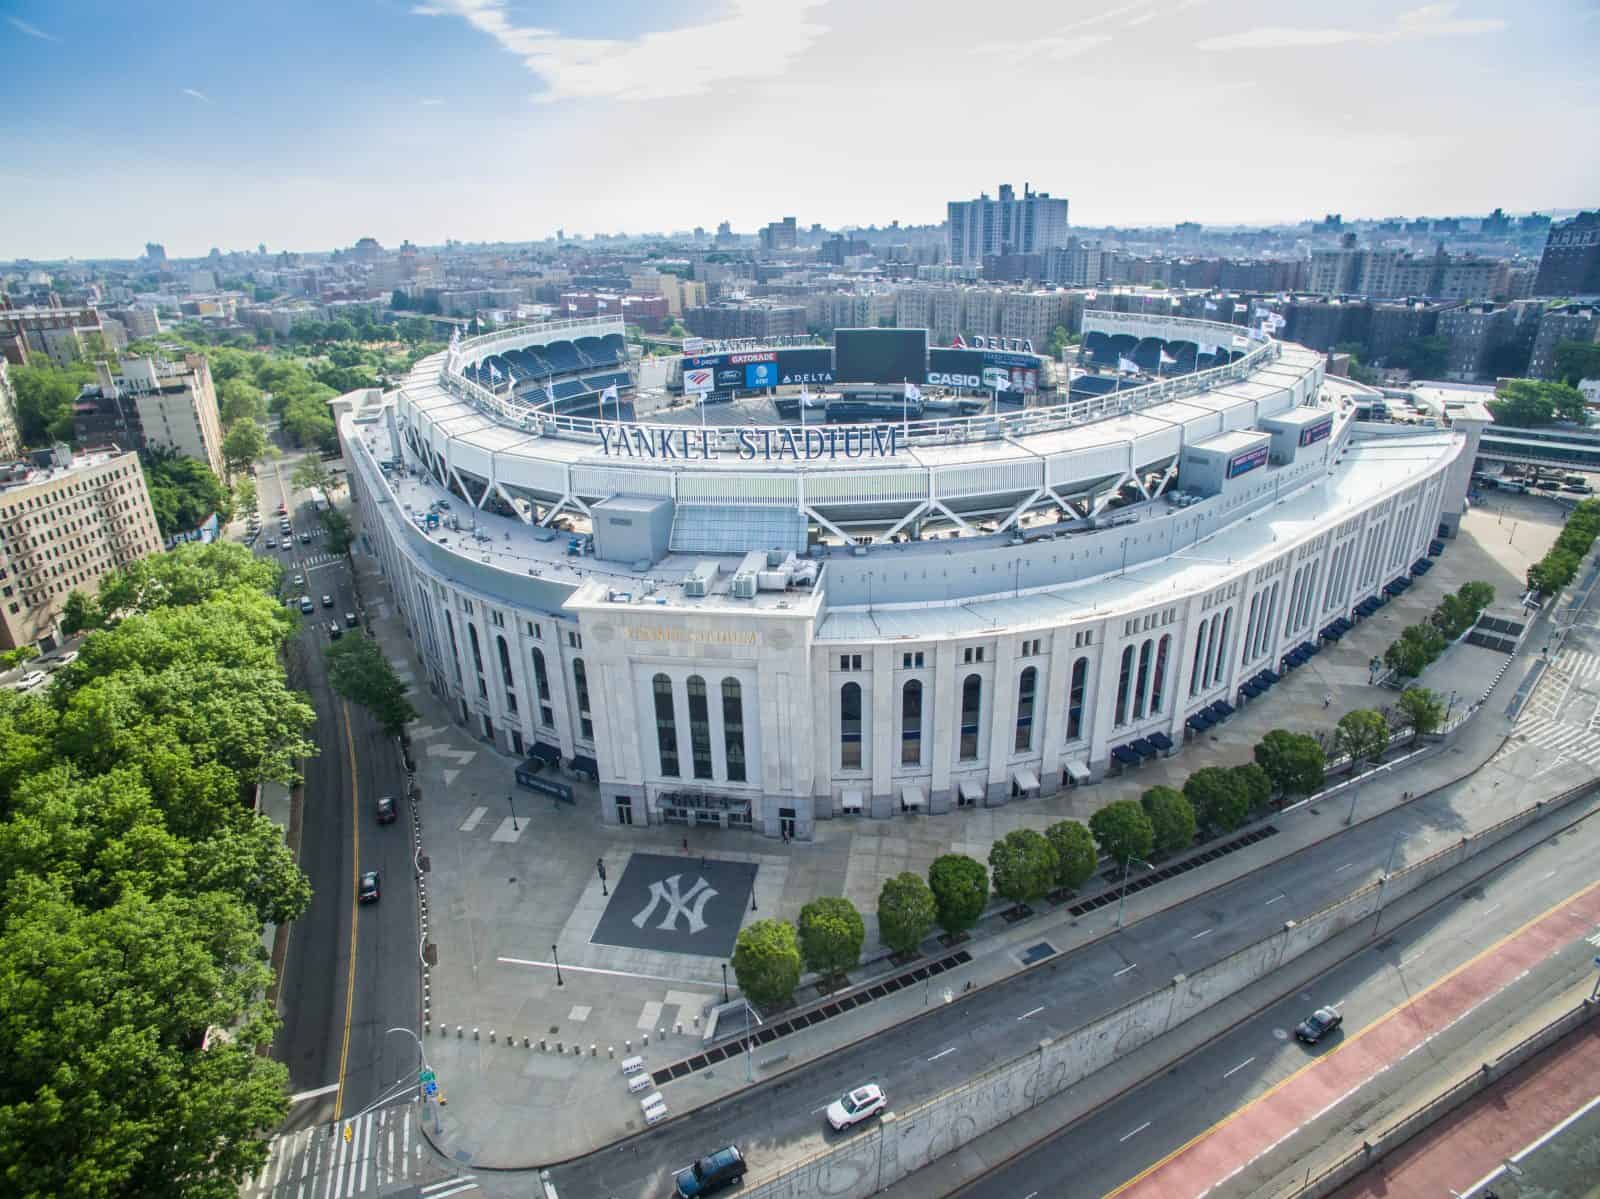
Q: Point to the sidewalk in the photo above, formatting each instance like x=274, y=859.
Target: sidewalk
x=512, y=887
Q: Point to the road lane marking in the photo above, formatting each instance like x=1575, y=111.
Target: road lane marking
x=1343, y=868
x=304, y=1095
x=355, y=852
x=471, y=822
x=942, y=1053
x=1239, y=1067
x=1125, y=969
x=1134, y=1133
x=1203, y=933
x=1275, y=898
x=1034, y=1012
x=1496, y=908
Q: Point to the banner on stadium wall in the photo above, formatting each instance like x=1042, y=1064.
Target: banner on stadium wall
x=693, y=345
x=1315, y=433
x=1247, y=461
x=759, y=375
x=700, y=378
x=813, y=366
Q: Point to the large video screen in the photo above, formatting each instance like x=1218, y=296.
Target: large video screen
x=880, y=355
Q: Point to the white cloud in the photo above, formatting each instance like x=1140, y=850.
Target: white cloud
x=197, y=94
x=1431, y=20
x=753, y=39
x=431, y=101
x=22, y=26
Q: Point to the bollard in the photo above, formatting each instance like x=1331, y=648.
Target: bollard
x=474, y=1033
x=526, y=1043
x=491, y=1036
x=426, y=1027
x=577, y=1049
x=543, y=1047
x=661, y=1033
x=611, y=1051
x=644, y=1040
x=593, y=1052
x=458, y=1030
x=627, y=1047
x=560, y=1048
x=678, y=1028
x=697, y=1024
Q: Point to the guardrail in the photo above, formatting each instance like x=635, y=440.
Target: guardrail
x=541, y=419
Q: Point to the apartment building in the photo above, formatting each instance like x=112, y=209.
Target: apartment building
x=1032, y=223
x=63, y=335
x=1570, y=323
x=10, y=433
x=154, y=404
x=1570, y=264
x=1032, y=314
x=64, y=522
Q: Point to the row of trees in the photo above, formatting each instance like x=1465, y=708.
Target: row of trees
x=1420, y=644
x=1559, y=566
x=1530, y=403
x=134, y=882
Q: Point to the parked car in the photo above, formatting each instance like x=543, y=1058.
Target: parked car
x=327, y=601
x=853, y=1107
x=30, y=680
x=350, y=620
x=299, y=580
x=385, y=809
x=710, y=1173
x=272, y=543
x=305, y=539
x=282, y=508
x=369, y=889
x=1317, y=1025
x=306, y=606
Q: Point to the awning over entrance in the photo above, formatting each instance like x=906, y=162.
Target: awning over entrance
x=851, y=801
x=912, y=797
x=585, y=766
x=971, y=792
x=1025, y=780
x=1077, y=770
x=545, y=752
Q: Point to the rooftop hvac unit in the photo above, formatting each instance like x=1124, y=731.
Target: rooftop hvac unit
x=699, y=580
x=744, y=586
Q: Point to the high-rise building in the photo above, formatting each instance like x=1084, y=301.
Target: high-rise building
x=10, y=433
x=64, y=522
x=1556, y=325
x=1033, y=223
x=752, y=318
x=155, y=253
x=779, y=235
x=1570, y=265
x=154, y=404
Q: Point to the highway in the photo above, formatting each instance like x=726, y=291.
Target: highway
x=1150, y=1123
x=953, y=1042
x=335, y=1004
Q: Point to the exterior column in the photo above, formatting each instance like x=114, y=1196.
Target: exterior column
x=941, y=699
x=1051, y=723
x=1002, y=721
x=878, y=708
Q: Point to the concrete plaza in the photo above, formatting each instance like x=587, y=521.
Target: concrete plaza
x=514, y=891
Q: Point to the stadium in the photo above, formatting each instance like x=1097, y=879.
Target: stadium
x=876, y=578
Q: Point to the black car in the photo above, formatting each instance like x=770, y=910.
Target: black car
x=327, y=601
x=368, y=891
x=385, y=809
x=1317, y=1025
x=710, y=1173
x=350, y=620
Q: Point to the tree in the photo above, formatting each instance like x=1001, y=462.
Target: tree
x=338, y=330
x=831, y=933
x=79, y=613
x=1171, y=818
x=1419, y=644
x=339, y=534
x=1294, y=762
x=1076, y=857
x=358, y=671
x=244, y=495
x=191, y=574
x=1253, y=782
x=906, y=912
x=1219, y=798
x=1123, y=831
x=1420, y=710
x=1530, y=403
x=960, y=887
x=1059, y=340
x=44, y=401
x=183, y=491
x=309, y=472
x=10, y=659
x=1023, y=864
x=1576, y=361
x=766, y=961
x=1424, y=357
x=239, y=399
x=244, y=444
x=1362, y=734
x=1553, y=572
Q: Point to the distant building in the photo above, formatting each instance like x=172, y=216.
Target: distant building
x=751, y=318
x=1472, y=330
x=154, y=404
x=1570, y=265
x=155, y=253
x=64, y=522
x=1033, y=223
x=10, y=432
x=1556, y=325
x=779, y=236
x=63, y=335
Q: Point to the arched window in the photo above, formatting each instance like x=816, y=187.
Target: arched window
x=850, y=726
x=1080, y=680
x=505, y=659
x=1144, y=677
x=699, y=727
x=580, y=688
x=541, y=677
x=666, y=726
x=477, y=655
x=733, y=728
x=1027, y=684
x=1199, y=657
x=1158, y=686
x=911, y=723
x=1124, y=680
x=971, y=704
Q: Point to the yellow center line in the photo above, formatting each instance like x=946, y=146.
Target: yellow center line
x=1347, y=1042
x=355, y=886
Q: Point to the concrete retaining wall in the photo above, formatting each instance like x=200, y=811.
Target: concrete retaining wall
x=906, y=1142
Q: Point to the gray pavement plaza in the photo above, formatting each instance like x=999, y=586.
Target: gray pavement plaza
x=684, y=904
x=514, y=892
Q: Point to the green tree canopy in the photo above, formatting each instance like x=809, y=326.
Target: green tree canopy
x=358, y=671
x=238, y=399
x=906, y=912
x=311, y=472
x=190, y=574
x=1530, y=403
x=339, y=534
x=183, y=491
x=1420, y=710
x=44, y=401
x=1294, y=762
x=1417, y=646
x=960, y=887
x=1171, y=818
x=244, y=445
x=1363, y=734
x=1576, y=361
x=1023, y=864
x=1219, y=798
x=766, y=961
x=1254, y=783
x=1123, y=831
x=831, y=934
x=1076, y=857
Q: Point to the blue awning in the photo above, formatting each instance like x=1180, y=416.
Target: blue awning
x=1268, y=677
x=1143, y=747
x=1251, y=688
x=1161, y=741
x=1125, y=755
x=1435, y=548
x=1221, y=709
x=1421, y=566
x=1201, y=721
x=545, y=752
x=1310, y=648
x=583, y=764
x=1393, y=588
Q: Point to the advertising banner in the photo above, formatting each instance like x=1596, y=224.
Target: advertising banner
x=730, y=376
x=955, y=368
x=699, y=378
x=814, y=366
x=753, y=356
x=1312, y=434
x=693, y=345
x=759, y=375
x=1247, y=461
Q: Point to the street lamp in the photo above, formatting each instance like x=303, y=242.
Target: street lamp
x=724, y=982
x=556, y=957
x=512, y=805
x=1123, y=893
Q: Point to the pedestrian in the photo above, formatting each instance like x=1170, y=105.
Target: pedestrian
x=1327, y=698
x=686, y=845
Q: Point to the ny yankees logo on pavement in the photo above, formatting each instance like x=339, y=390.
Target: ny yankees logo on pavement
x=691, y=906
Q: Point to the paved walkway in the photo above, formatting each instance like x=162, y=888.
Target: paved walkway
x=513, y=887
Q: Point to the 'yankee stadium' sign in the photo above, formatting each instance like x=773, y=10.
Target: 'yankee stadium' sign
x=752, y=444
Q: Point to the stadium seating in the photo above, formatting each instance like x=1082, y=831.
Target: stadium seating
x=562, y=357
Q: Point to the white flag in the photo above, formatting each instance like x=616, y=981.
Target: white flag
x=600, y=305
x=1177, y=302
x=1167, y=359
x=1207, y=349
x=913, y=393
x=806, y=400
x=609, y=393
x=1210, y=307
x=1240, y=343
x=1127, y=365
x=494, y=373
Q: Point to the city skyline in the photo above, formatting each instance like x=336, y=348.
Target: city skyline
x=353, y=124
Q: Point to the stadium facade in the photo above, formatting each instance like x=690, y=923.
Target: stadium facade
x=763, y=625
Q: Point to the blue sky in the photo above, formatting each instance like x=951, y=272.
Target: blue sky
x=307, y=125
